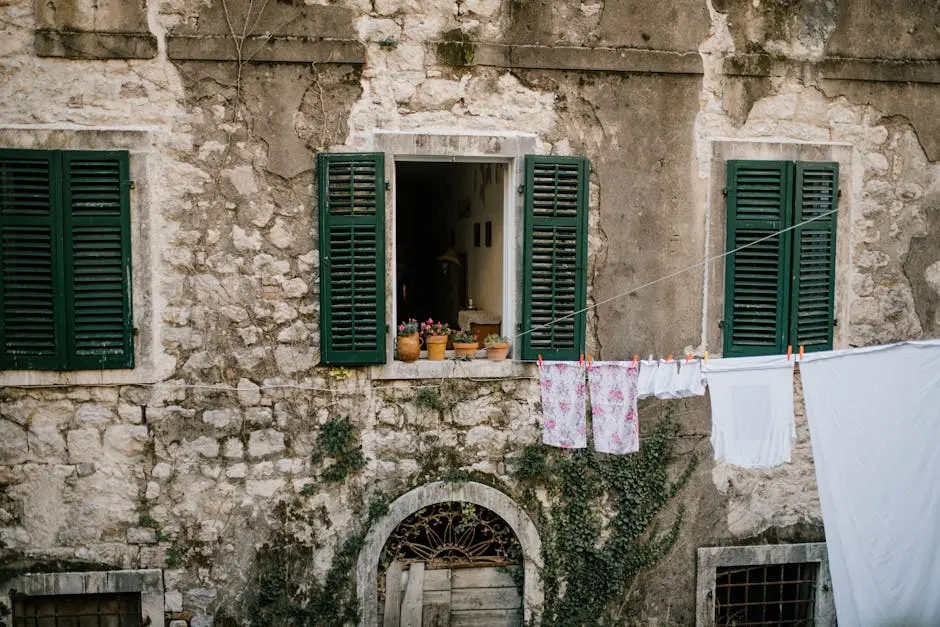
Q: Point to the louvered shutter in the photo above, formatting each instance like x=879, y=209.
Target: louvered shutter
x=96, y=233
x=30, y=288
x=553, y=299
x=756, y=285
x=814, y=255
x=352, y=258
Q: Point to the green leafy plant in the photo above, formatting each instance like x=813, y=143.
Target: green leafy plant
x=338, y=440
x=602, y=529
x=430, y=398
x=493, y=339
x=464, y=337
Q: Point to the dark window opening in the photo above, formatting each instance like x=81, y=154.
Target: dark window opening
x=80, y=610
x=440, y=266
x=773, y=594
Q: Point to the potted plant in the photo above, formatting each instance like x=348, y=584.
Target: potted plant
x=465, y=344
x=408, y=342
x=496, y=346
x=435, y=338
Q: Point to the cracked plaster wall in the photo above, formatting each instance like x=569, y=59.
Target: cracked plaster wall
x=125, y=475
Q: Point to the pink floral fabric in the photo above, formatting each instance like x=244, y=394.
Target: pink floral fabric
x=613, y=406
x=563, y=404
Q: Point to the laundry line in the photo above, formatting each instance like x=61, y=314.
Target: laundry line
x=675, y=273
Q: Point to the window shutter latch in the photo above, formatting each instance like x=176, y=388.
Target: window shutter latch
x=721, y=324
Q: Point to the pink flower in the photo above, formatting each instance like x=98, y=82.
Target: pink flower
x=597, y=410
x=564, y=406
x=549, y=424
x=616, y=438
x=581, y=389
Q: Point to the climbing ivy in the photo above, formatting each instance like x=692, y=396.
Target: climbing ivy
x=338, y=441
x=601, y=531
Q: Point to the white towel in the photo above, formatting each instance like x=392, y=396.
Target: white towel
x=690, y=381
x=752, y=410
x=644, y=385
x=666, y=382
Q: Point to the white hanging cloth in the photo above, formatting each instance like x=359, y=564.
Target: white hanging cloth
x=645, y=383
x=874, y=419
x=752, y=410
x=564, y=402
x=690, y=381
x=613, y=406
x=666, y=381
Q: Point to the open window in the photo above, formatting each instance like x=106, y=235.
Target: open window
x=450, y=246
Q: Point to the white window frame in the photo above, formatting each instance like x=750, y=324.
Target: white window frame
x=712, y=558
x=443, y=147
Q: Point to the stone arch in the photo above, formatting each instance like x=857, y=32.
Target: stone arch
x=439, y=492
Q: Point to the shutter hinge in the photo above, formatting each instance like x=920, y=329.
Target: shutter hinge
x=835, y=322
x=721, y=324
x=130, y=184
x=388, y=186
x=388, y=329
x=839, y=195
x=135, y=331
x=521, y=189
x=724, y=192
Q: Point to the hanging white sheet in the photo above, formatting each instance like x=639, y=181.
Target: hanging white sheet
x=874, y=419
x=752, y=410
x=564, y=401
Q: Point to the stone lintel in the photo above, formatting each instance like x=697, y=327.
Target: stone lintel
x=840, y=68
x=266, y=49
x=581, y=58
x=94, y=45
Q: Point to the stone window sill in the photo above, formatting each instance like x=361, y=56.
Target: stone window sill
x=450, y=368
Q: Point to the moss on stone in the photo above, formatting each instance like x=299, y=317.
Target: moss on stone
x=456, y=49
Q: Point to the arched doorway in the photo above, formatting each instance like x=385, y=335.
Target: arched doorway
x=456, y=544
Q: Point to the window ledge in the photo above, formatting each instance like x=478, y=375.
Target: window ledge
x=453, y=369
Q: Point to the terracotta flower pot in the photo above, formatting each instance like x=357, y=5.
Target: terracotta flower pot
x=409, y=347
x=465, y=349
x=497, y=352
x=436, y=345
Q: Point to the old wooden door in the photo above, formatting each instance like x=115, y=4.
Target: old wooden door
x=451, y=597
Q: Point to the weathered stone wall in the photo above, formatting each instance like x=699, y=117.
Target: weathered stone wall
x=183, y=468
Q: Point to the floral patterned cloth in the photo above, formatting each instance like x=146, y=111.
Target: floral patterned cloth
x=613, y=406
x=563, y=404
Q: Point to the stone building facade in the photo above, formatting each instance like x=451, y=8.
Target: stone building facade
x=188, y=466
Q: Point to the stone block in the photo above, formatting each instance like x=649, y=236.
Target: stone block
x=129, y=440
x=13, y=447
x=265, y=488
x=141, y=535
x=265, y=442
x=84, y=445
x=248, y=392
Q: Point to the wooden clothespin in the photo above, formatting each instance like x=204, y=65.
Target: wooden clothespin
x=688, y=358
x=636, y=360
x=540, y=359
x=581, y=360
x=706, y=357
x=789, y=352
x=590, y=360
x=668, y=359
x=801, y=352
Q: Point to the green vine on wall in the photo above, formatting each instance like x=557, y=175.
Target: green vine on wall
x=338, y=441
x=601, y=531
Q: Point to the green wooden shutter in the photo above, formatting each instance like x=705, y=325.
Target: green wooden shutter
x=756, y=285
x=30, y=287
x=555, y=256
x=814, y=255
x=352, y=258
x=96, y=234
